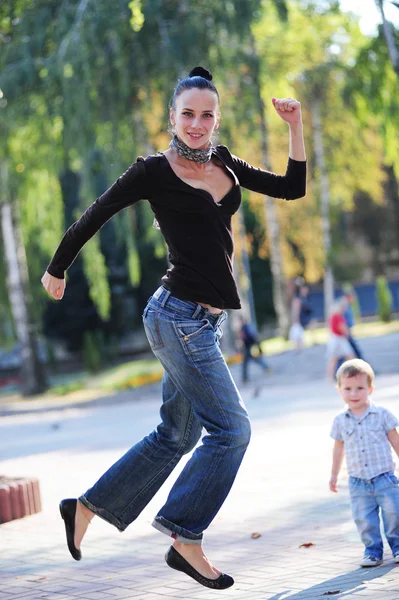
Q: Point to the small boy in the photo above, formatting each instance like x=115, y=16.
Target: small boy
x=364, y=433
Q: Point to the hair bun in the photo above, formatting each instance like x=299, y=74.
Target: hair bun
x=201, y=72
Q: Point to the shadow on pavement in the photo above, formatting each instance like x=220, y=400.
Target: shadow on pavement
x=353, y=582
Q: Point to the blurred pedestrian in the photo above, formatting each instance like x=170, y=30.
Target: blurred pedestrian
x=348, y=299
x=301, y=316
x=349, y=317
x=365, y=434
x=337, y=344
x=194, y=190
x=251, y=349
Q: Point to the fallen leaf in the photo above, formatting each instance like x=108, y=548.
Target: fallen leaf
x=306, y=545
x=256, y=535
x=331, y=593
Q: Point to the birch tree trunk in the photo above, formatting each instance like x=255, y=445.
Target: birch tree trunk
x=32, y=371
x=280, y=296
x=324, y=202
x=389, y=38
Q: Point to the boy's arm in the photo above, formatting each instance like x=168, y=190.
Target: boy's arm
x=338, y=456
x=393, y=437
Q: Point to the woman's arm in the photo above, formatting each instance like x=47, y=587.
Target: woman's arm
x=289, y=110
x=128, y=189
x=292, y=185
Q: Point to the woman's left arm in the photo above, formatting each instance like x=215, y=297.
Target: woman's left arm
x=289, y=110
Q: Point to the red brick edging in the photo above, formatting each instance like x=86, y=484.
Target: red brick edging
x=19, y=497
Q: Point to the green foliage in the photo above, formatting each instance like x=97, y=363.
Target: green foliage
x=137, y=18
x=76, y=77
x=91, y=351
x=349, y=289
x=96, y=273
x=384, y=299
x=66, y=388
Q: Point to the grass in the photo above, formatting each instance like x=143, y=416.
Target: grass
x=319, y=335
x=139, y=372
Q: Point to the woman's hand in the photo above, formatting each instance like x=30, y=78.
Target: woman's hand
x=54, y=286
x=288, y=109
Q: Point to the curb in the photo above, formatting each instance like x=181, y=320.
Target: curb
x=123, y=394
x=19, y=497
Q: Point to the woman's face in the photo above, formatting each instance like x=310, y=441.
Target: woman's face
x=195, y=117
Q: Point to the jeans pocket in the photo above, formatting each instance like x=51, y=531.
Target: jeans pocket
x=152, y=329
x=393, y=479
x=190, y=329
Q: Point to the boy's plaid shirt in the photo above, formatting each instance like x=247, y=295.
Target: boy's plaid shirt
x=367, y=449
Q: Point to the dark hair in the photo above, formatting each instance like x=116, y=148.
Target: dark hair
x=199, y=78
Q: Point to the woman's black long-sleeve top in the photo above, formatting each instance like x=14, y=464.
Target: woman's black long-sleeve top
x=197, y=230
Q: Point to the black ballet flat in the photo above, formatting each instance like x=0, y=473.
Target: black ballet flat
x=176, y=561
x=68, y=512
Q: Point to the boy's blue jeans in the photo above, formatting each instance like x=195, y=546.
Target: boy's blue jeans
x=368, y=498
x=198, y=392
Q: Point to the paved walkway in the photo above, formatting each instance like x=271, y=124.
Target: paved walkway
x=281, y=493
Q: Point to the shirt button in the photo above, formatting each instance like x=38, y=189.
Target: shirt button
x=361, y=437
x=362, y=450
x=365, y=464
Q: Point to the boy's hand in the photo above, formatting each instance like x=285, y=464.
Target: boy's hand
x=333, y=484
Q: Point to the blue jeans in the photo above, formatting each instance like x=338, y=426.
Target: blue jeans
x=198, y=392
x=368, y=498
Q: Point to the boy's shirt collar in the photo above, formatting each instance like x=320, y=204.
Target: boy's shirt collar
x=370, y=409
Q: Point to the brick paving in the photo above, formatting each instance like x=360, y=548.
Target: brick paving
x=281, y=492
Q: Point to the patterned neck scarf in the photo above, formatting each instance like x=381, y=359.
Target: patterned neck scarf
x=198, y=156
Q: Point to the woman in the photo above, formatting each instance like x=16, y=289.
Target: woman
x=193, y=189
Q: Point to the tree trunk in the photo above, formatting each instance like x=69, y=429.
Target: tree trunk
x=389, y=38
x=32, y=371
x=280, y=296
x=325, y=204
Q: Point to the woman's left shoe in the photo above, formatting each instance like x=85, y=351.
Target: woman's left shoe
x=68, y=512
x=176, y=561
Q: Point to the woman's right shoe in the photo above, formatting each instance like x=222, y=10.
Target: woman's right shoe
x=176, y=561
x=68, y=512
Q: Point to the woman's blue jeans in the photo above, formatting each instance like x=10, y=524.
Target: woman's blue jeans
x=198, y=392
x=369, y=497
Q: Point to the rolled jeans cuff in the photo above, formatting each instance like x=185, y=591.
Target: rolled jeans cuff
x=177, y=533
x=103, y=514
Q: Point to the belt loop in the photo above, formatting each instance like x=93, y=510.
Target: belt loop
x=197, y=311
x=165, y=299
x=220, y=318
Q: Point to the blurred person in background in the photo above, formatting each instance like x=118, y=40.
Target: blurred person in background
x=348, y=299
x=251, y=349
x=349, y=317
x=301, y=316
x=194, y=189
x=338, y=346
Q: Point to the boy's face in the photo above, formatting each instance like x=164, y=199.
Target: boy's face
x=355, y=391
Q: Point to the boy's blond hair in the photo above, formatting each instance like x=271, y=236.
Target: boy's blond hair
x=353, y=367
